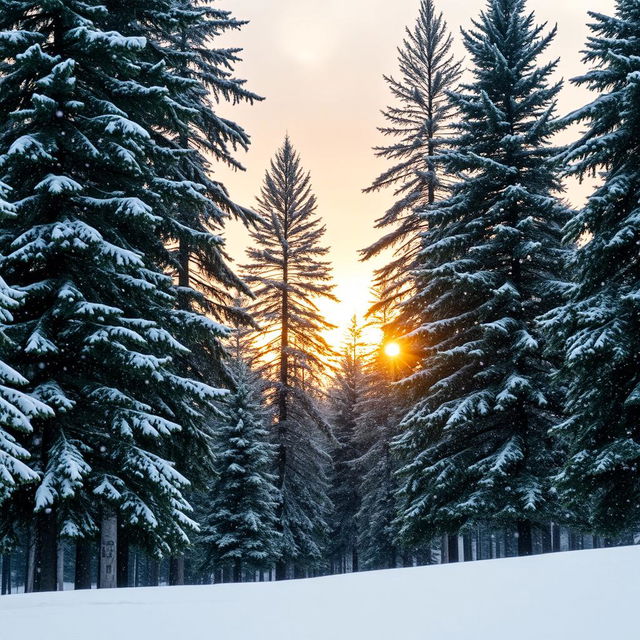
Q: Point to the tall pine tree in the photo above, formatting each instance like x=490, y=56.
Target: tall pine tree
x=289, y=273
x=598, y=330
x=476, y=446
x=96, y=330
x=418, y=122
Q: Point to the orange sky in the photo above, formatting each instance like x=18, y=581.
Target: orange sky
x=319, y=63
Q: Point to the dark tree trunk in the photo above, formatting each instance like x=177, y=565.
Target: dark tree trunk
x=556, y=539
x=467, y=544
x=46, y=556
x=237, y=570
x=5, y=589
x=547, y=542
x=281, y=571
x=122, y=570
x=83, y=565
x=355, y=560
x=453, y=554
x=30, y=560
x=153, y=572
x=525, y=538
x=176, y=571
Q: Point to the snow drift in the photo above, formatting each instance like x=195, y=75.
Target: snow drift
x=587, y=595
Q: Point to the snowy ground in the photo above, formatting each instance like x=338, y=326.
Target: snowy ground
x=587, y=595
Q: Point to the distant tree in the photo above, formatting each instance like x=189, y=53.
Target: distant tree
x=598, y=329
x=418, y=123
x=345, y=396
x=240, y=521
x=288, y=273
x=476, y=448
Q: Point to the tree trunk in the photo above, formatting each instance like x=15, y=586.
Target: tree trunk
x=6, y=574
x=453, y=554
x=83, y=565
x=60, y=566
x=281, y=571
x=46, y=556
x=108, y=550
x=30, y=566
x=467, y=544
x=176, y=571
x=153, y=572
x=547, y=542
x=355, y=560
x=237, y=570
x=525, y=538
x=122, y=571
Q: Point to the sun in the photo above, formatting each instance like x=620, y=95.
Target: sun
x=392, y=349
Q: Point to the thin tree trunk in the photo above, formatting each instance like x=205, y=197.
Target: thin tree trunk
x=122, y=571
x=46, y=556
x=60, y=566
x=547, y=542
x=30, y=567
x=525, y=538
x=108, y=550
x=83, y=565
x=453, y=554
x=153, y=572
x=176, y=571
x=6, y=574
x=237, y=570
x=467, y=544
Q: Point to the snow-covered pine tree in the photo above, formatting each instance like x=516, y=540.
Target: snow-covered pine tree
x=289, y=273
x=93, y=330
x=345, y=397
x=184, y=55
x=17, y=408
x=240, y=522
x=417, y=123
x=476, y=446
x=598, y=330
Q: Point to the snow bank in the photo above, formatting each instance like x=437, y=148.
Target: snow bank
x=587, y=595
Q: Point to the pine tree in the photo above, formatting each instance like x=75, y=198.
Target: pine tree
x=598, y=328
x=96, y=330
x=345, y=398
x=184, y=56
x=17, y=409
x=288, y=273
x=476, y=446
x=240, y=527
x=418, y=123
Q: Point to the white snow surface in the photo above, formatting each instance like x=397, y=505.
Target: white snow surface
x=583, y=595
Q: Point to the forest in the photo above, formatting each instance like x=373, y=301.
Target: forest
x=170, y=415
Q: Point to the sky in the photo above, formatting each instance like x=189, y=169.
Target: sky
x=320, y=65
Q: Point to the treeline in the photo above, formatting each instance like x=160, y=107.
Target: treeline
x=163, y=418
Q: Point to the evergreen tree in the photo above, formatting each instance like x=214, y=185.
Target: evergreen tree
x=240, y=527
x=97, y=328
x=345, y=398
x=288, y=273
x=418, y=123
x=17, y=409
x=183, y=55
x=476, y=447
x=378, y=415
x=598, y=328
